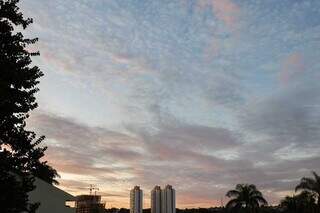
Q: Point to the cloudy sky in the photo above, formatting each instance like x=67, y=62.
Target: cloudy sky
x=200, y=94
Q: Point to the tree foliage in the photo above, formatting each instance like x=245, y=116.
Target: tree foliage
x=302, y=203
x=311, y=185
x=20, y=150
x=245, y=198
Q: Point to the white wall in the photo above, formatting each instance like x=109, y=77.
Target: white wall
x=52, y=199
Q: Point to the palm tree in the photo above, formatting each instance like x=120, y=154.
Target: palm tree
x=289, y=204
x=311, y=185
x=301, y=203
x=245, y=197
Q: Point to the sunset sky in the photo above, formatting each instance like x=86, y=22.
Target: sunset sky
x=199, y=94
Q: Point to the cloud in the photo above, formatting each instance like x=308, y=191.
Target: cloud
x=116, y=158
x=73, y=143
x=205, y=137
x=291, y=116
x=226, y=11
x=292, y=66
x=181, y=154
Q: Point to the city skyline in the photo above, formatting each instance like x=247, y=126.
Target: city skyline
x=201, y=94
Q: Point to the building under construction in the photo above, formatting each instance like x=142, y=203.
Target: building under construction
x=89, y=204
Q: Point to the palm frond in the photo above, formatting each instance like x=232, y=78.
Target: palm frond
x=255, y=193
x=252, y=187
x=306, y=184
x=232, y=203
x=239, y=187
x=261, y=200
x=233, y=193
x=254, y=203
x=316, y=176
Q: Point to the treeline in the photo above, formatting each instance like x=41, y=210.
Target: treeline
x=266, y=209
x=246, y=198
x=192, y=210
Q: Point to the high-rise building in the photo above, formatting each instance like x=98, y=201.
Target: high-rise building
x=136, y=200
x=156, y=200
x=168, y=200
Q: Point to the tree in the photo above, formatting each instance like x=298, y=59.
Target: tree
x=20, y=150
x=301, y=203
x=245, y=198
x=311, y=185
x=289, y=204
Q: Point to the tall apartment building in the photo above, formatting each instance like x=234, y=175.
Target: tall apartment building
x=136, y=200
x=168, y=200
x=163, y=201
x=156, y=200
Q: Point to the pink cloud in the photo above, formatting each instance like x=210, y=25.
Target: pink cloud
x=135, y=64
x=225, y=10
x=291, y=67
x=63, y=64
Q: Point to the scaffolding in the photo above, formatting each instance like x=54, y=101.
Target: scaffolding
x=89, y=204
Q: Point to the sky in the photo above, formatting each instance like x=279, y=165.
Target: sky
x=199, y=94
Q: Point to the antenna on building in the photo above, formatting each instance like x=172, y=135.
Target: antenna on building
x=221, y=202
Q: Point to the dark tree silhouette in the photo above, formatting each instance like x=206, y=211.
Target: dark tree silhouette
x=302, y=203
x=311, y=185
x=20, y=150
x=245, y=198
x=289, y=204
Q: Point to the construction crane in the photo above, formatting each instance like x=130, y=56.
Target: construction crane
x=93, y=188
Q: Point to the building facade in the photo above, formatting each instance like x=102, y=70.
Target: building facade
x=163, y=200
x=168, y=200
x=89, y=204
x=136, y=200
x=156, y=200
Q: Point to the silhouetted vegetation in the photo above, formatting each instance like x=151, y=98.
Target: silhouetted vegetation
x=20, y=152
x=191, y=210
x=302, y=203
x=202, y=210
x=311, y=185
x=263, y=209
x=245, y=198
x=121, y=210
x=146, y=210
